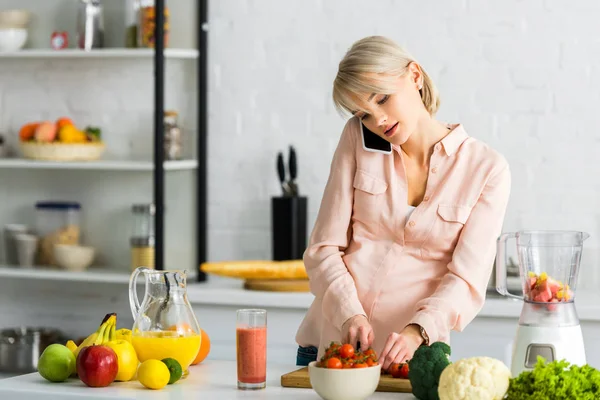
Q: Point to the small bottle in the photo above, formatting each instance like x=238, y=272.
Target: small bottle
x=143, y=237
x=173, y=137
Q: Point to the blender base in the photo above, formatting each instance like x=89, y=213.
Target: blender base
x=552, y=343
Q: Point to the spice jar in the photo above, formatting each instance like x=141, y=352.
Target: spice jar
x=132, y=20
x=173, y=140
x=142, y=238
x=147, y=24
x=56, y=223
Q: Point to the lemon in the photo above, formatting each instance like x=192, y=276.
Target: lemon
x=174, y=369
x=154, y=374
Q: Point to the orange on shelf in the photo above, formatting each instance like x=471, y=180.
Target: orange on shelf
x=63, y=121
x=27, y=131
x=204, y=348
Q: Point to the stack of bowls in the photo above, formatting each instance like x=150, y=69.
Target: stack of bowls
x=13, y=29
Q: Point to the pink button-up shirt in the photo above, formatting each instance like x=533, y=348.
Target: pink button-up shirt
x=364, y=257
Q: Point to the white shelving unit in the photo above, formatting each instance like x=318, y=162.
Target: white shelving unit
x=100, y=53
x=100, y=165
x=92, y=275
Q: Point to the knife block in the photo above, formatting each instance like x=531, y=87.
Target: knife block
x=288, y=227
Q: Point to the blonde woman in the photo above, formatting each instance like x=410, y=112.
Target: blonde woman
x=405, y=239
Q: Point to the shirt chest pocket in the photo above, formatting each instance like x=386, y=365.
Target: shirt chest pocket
x=448, y=224
x=368, y=198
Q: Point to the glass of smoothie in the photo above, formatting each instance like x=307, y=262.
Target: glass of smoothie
x=251, y=346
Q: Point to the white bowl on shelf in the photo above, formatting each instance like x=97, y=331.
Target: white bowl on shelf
x=344, y=384
x=73, y=257
x=12, y=39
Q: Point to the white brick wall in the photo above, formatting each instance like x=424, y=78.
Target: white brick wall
x=521, y=75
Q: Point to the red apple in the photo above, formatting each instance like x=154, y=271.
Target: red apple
x=97, y=366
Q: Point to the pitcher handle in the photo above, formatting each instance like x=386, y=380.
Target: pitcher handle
x=134, y=303
x=501, y=270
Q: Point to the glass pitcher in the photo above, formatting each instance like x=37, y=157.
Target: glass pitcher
x=548, y=264
x=164, y=324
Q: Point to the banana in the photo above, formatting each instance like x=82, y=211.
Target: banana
x=71, y=346
x=97, y=337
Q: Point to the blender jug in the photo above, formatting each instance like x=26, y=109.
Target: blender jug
x=548, y=265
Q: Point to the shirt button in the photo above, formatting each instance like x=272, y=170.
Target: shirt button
x=411, y=223
x=426, y=198
x=434, y=170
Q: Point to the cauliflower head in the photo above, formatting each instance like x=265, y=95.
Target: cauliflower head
x=475, y=378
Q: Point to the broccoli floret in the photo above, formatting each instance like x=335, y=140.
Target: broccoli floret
x=425, y=368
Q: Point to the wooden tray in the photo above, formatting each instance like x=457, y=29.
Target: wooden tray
x=300, y=379
x=277, y=285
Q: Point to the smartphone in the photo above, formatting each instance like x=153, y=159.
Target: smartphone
x=372, y=142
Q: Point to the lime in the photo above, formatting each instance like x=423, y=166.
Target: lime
x=153, y=374
x=56, y=363
x=174, y=369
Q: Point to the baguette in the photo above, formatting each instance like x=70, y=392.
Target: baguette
x=257, y=269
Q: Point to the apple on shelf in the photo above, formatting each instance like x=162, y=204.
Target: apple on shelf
x=61, y=140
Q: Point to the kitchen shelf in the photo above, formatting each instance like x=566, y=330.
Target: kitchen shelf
x=102, y=165
x=90, y=275
x=101, y=53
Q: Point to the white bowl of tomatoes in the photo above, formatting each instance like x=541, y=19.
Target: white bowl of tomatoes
x=344, y=373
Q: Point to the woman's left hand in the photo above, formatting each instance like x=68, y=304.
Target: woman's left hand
x=400, y=347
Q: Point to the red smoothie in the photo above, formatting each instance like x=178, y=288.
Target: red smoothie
x=252, y=354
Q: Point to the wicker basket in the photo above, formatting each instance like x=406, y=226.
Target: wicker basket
x=62, y=151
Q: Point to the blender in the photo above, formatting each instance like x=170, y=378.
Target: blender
x=548, y=325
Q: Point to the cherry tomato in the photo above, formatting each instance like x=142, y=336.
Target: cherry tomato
x=347, y=365
x=394, y=370
x=371, y=362
x=360, y=365
x=346, y=351
x=334, y=363
x=404, y=371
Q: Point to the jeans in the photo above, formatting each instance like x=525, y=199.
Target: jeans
x=306, y=355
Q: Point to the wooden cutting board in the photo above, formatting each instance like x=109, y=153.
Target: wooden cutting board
x=300, y=379
x=277, y=285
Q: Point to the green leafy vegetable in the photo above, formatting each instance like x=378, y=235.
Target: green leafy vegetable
x=557, y=380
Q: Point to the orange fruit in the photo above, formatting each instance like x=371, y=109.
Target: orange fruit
x=27, y=131
x=63, y=122
x=204, y=348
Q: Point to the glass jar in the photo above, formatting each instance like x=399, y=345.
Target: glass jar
x=143, y=238
x=132, y=20
x=56, y=223
x=173, y=138
x=147, y=23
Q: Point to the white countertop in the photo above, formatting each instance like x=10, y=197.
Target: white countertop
x=209, y=380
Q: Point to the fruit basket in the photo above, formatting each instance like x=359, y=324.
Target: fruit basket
x=60, y=141
x=62, y=151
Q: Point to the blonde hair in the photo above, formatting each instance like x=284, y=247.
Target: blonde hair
x=382, y=57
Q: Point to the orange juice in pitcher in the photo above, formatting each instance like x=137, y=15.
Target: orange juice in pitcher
x=165, y=325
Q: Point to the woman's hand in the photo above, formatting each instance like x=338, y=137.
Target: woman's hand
x=358, y=329
x=400, y=347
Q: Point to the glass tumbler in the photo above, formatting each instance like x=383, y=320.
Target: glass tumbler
x=251, y=348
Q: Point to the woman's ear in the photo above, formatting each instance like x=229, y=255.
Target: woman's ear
x=416, y=76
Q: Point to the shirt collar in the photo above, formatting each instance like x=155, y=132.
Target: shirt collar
x=454, y=139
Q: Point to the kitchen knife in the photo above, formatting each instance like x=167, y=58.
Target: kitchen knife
x=292, y=165
x=281, y=174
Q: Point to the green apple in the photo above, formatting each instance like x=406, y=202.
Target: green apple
x=56, y=363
